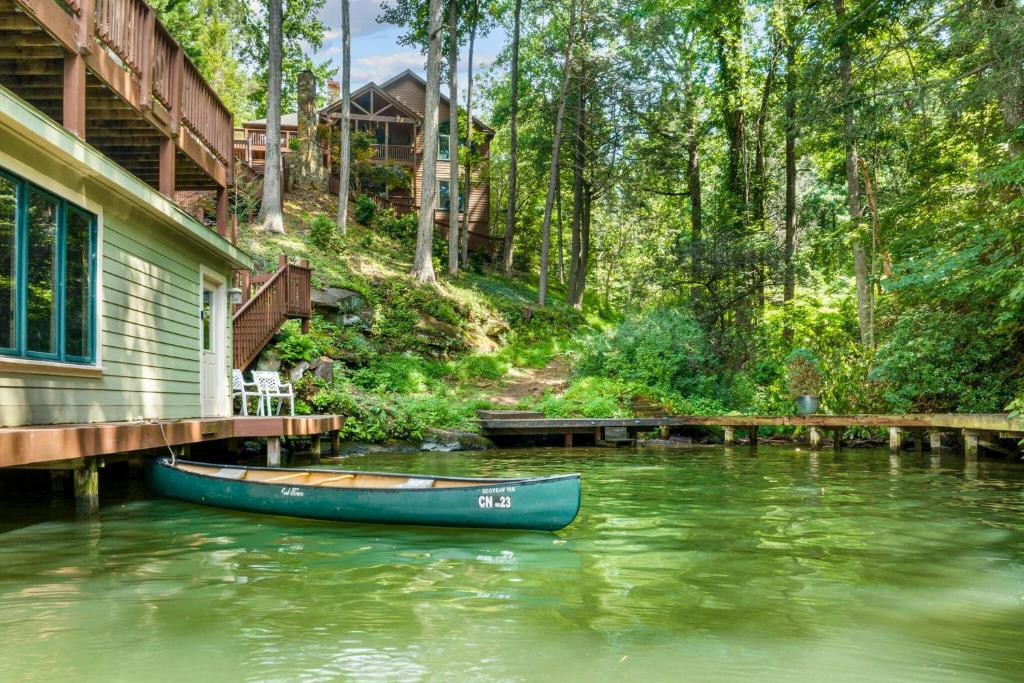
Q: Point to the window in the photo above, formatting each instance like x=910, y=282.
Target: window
x=47, y=275
x=444, y=151
x=443, y=196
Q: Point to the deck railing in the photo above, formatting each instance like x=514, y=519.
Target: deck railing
x=393, y=152
x=283, y=294
x=141, y=45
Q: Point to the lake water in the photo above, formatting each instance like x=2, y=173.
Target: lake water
x=704, y=564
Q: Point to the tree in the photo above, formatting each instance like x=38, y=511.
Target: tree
x=556, y=143
x=469, y=131
x=453, y=141
x=513, y=168
x=344, y=160
x=270, y=209
x=423, y=265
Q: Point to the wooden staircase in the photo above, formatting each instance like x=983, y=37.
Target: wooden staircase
x=268, y=299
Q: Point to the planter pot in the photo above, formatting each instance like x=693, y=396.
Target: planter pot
x=807, y=404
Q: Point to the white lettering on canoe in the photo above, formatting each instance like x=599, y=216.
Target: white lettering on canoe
x=501, y=489
x=292, y=491
x=490, y=502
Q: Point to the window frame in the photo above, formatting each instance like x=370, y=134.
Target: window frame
x=447, y=156
x=23, y=189
x=443, y=206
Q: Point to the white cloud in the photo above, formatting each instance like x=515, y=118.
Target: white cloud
x=362, y=16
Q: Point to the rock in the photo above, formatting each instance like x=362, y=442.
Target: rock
x=445, y=440
x=325, y=369
x=295, y=374
x=269, y=361
x=439, y=333
x=338, y=299
x=349, y=319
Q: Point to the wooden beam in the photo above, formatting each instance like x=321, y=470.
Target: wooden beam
x=54, y=21
x=895, y=439
x=730, y=436
x=145, y=101
x=274, y=451
x=222, y=211
x=814, y=434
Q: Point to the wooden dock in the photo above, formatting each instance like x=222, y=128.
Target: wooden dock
x=977, y=430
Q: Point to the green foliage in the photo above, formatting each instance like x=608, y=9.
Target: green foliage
x=400, y=227
x=322, y=231
x=399, y=373
x=941, y=362
x=803, y=373
x=365, y=210
x=663, y=349
x=292, y=346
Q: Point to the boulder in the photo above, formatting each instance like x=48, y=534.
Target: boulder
x=269, y=361
x=295, y=374
x=349, y=319
x=325, y=369
x=338, y=299
x=445, y=440
x=439, y=333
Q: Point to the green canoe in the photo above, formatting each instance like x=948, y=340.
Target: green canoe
x=541, y=503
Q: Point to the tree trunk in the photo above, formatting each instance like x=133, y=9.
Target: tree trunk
x=556, y=144
x=581, y=272
x=469, y=135
x=453, y=141
x=694, y=190
x=789, y=276
x=344, y=160
x=576, y=242
x=513, y=148
x=860, y=263
x=270, y=210
x=423, y=266
x=558, y=212
x=731, y=75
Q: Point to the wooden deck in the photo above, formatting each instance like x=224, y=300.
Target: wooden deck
x=982, y=429
x=48, y=445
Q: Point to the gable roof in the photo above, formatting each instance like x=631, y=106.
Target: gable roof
x=409, y=73
x=377, y=90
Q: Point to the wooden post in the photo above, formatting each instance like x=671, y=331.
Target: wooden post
x=166, y=167
x=730, y=435
x=935, y=441
x=663, y=431
x=148, y=30
x=314, y=448
x=58, y=478
x=837, y=438
x=895, y=439
x=335, y=443
x=752, y=435
x=87, y=488
x=568, y=439
x=273, y=451
x=74, y=94
x=222, y=211
x=814, y=434
x=971, y=440
x=918, y=440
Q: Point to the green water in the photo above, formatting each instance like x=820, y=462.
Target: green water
x=701, y=565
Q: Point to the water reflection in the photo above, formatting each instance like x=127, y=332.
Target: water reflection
x=784, y=566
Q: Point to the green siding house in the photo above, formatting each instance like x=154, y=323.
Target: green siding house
x=113, y=301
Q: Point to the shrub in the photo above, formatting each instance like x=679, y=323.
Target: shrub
x=293, y=346
x=365, y=210
x=803, y=373
x=321, y=231
x=398, y=373
x=663, y=349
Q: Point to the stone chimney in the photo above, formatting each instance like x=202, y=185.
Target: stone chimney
x=333, y=91
x=310, y=170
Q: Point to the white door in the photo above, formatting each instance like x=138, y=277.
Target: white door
x=212, y=373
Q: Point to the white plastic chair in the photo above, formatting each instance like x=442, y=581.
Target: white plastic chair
x=247, y=390
x=271, y=387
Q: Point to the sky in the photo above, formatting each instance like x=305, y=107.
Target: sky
x=376, y=53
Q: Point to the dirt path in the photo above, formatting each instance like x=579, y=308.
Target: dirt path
x=520, y=383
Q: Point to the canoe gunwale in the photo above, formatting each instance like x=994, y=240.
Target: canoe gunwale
x=478, y=481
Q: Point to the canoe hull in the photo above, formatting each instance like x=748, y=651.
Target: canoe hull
x=543, y=504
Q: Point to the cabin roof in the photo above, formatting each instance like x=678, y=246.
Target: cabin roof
x=290, y=119
x=412, y=75
x=377, y=90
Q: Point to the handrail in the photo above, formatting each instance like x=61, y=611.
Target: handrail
x=286, y=293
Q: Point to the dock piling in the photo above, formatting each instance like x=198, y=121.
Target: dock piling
x=730, y=436
x=273, y=451
x=87, y=488
x=837, y=438
x=895, y=439
x=752, y=433
x=971, y=443
x=814, y=434
x=58, y=479
x=314, y=449
x=335, y=443
x=935, y=441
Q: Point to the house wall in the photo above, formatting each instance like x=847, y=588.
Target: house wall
x=148, y=353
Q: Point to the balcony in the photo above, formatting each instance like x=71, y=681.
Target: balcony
x=108, y=71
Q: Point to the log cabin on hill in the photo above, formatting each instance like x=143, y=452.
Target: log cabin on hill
x=393, y=112
x=116, y=333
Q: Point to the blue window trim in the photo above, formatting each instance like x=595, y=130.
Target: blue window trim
x=23, y=188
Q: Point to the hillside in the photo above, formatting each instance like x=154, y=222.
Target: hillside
x=397, y=356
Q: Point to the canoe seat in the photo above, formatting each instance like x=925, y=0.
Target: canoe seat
x=286, y=476
x=416, y=484
x=231, y=473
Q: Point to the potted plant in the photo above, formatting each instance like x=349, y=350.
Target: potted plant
x=803, y=375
